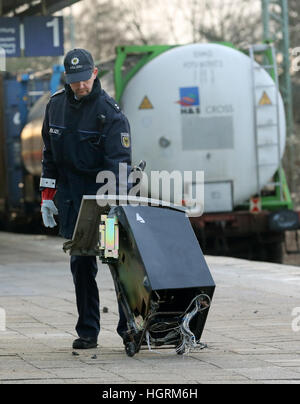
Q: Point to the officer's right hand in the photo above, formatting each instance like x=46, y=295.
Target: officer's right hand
x=48, y=209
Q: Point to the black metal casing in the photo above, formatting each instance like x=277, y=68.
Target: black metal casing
x=160, y=259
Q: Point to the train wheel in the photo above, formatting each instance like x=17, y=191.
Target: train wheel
x=130, y=349
x=275, y=252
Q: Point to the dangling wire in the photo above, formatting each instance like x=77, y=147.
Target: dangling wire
x=182, y=330
x=189, y=341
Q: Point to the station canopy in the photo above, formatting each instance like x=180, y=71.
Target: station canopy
x=9, y=8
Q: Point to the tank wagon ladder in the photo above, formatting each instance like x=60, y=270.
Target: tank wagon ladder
x=268, y=52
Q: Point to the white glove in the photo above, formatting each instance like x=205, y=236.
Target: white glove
x=48, y=209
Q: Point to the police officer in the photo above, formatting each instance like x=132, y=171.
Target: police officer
x=84, y=132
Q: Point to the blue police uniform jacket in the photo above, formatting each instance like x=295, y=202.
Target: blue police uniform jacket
x=81, y=138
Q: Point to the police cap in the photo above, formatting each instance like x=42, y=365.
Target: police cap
x=79, y=65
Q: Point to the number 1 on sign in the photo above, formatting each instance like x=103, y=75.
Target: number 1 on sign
x=55, y=25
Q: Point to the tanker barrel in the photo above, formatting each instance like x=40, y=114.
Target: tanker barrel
x=201, y=118
x=31, y=137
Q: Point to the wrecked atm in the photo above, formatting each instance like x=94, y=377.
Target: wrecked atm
x=161, y=278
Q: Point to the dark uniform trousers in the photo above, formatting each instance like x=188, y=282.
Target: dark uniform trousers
x=82, y=138
x=84, y=270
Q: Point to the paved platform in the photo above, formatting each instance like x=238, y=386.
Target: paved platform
x=249, y=333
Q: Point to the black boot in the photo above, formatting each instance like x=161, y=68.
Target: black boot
x=85, y=343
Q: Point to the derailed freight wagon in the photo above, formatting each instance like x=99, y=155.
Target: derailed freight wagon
x=201, y=107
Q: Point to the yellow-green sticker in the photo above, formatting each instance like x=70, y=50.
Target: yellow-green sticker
x=125, y=140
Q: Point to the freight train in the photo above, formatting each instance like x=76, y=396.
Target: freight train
x=206, y=107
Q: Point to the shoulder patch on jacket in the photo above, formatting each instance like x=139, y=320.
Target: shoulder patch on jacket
x=125, y=140
x=60, y=91
x=113, y=104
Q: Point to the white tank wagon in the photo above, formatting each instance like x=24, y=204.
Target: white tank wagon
x=192, y=108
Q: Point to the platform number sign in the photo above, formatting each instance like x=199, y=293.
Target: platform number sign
x=43, y=36
x=32, y=36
